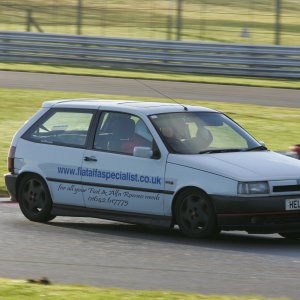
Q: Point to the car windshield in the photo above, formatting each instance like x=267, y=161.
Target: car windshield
x=202, y=132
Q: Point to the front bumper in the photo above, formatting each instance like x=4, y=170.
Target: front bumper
x=11, y=185
x=256, y=214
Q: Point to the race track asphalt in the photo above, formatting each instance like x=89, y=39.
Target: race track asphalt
x=151, y=88
x=112, y=254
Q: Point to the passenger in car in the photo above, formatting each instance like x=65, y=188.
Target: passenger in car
x=142, y=137
x=122, y=133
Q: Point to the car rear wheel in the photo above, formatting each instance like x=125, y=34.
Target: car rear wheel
x=195, y=214
x=290, y=235
x=34, y=199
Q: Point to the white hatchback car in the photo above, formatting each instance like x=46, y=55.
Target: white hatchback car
x=151, y=163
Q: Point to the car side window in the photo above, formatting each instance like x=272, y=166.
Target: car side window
x=121, y=132
x=65, y=128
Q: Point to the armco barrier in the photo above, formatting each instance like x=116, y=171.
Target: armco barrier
x=159, y=55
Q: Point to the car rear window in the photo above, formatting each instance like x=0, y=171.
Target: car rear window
x=68, y=128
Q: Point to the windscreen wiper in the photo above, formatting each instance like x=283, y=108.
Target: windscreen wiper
x=220, y=151
x=257, y=148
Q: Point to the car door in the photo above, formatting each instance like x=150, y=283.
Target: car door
x=56, y=145
x=115, y=179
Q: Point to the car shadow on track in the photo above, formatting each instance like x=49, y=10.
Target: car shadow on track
x=234, y=241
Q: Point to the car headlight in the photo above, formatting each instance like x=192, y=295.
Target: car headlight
x=258, y=187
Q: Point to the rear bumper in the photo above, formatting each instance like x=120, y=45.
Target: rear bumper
x=11, y=185
x=256, y=214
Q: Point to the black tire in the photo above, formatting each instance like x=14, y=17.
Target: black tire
x=34, y=199
x=195, y=214
x=290, y=235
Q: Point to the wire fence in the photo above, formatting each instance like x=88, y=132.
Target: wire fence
x=228, y=21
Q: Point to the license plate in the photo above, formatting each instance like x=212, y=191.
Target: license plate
x=292, y=204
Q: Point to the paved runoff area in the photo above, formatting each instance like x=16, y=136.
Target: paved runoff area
x=112, y=254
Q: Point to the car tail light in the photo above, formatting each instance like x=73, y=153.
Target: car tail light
x=11, y=159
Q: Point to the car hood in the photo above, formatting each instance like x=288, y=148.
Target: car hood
x=242, y=166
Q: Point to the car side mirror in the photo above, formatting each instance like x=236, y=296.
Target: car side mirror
x=144, y=152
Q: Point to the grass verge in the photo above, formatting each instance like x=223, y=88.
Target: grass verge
x=106, y=72
x=278, y=127
x=19, y=289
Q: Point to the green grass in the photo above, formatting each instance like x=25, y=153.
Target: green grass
x=106, y=72
x=203, y=20
x=21, y=290
x=278, y=127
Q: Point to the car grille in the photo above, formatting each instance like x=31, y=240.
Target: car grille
x=286, y=188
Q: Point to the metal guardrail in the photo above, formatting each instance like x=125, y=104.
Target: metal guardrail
x=168, y=56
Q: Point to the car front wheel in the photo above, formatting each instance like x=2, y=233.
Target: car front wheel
x=195, y=214
x=34, y=199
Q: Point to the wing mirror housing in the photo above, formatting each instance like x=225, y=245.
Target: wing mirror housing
x=144, y=152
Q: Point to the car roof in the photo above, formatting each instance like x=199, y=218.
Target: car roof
x=146, y=108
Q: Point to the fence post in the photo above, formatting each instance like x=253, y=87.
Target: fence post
x=179, y=19
x=79, y=16
x=277, y=22
x=170, y=21
x=29, y=18
x=202, y=16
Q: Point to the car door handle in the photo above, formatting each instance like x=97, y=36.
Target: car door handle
x=90, y=158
